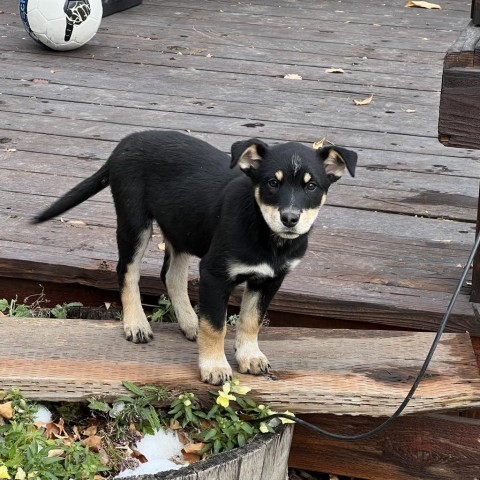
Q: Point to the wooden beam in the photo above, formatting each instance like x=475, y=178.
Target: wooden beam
x=314, y=370
x=439, y=447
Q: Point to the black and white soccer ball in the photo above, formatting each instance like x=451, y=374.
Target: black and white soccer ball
x=61, y=24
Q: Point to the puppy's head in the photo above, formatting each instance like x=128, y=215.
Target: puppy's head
x=291, y=181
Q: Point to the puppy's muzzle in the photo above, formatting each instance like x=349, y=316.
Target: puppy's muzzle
x=290, y=218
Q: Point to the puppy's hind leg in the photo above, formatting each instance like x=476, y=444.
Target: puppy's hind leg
x=175, y=277
x=132, y=243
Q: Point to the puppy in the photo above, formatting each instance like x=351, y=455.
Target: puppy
x=247, y=217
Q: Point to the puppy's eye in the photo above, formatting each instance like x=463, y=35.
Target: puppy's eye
x=310, y=186
x=274, y=183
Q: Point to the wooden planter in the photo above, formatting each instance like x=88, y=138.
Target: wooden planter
x=264, y=458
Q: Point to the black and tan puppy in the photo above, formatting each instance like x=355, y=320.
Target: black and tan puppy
x=248, y=224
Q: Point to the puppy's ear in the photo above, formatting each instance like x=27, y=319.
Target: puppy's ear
x=248, y=153
x=336, y=160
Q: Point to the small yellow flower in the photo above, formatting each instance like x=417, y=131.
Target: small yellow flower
x=287, y=420
x=240, y=390
x=4, y=472
x=20, y=475
x=187, y=403
x=224, y=396
x=264, y=427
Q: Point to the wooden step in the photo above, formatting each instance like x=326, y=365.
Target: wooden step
x=314, y=371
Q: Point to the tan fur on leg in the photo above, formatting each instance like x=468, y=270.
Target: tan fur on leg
x=135, y=322
x=177, y=287
x=214, y=367
x=249, y=356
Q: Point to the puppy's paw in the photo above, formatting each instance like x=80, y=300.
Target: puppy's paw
x=251, y=359
x=141, y=333
x=215, y=372
x=189, y=327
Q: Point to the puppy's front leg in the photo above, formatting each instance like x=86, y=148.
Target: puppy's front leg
x=214, y=293
x=255, y=301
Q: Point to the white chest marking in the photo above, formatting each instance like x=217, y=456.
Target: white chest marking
x=259, y=270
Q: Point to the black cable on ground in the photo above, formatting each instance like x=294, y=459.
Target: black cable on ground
x=418, y=379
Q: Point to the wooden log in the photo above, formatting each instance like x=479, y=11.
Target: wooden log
x=314, y=370
x=263, y=458
x=427, y=447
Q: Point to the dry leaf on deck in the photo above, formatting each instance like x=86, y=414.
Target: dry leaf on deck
x=161, y=246
x=292, y=76
x=10, y=150
x=54, y=71
x=410, y=110
x=6, y=410
x=76, y=222
x=334, y=70
x=319, y=143
x=40, y=80
x=365, y=101
x=420, y=4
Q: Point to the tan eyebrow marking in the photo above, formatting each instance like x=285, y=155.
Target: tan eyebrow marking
x=307, y=177
x=279, y=175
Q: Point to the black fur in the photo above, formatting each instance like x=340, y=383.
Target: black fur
x=209, y=209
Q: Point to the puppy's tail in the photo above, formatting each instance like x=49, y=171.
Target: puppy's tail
x=78, y=194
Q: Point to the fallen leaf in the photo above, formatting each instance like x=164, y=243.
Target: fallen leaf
x=182, y=436
x=161, y=246
x=292, y=76
x=56, y=452
x=139, y=456
x=6, y=410
x=55, y=430
x=40, y=80
x=191, y=457
x=175, y=424
x=193, y=447
x=319, y=143
x=54, y=71
x=10, y=150
x=76, y=222
x=365, y=101
x=421, y=4
x=334, y=70
x=91, y=430
x=94, y=442
x=410, y=110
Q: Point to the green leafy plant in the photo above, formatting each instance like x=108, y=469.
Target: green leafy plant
x=163, y=312
x=228, y=422
x=14, y=309
x=138, y=409
x=27, y=453
x=61, y=311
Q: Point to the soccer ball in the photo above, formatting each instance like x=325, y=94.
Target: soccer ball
x=61, y=24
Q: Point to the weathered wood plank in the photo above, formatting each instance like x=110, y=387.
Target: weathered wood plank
x=413, y=447
x=87, y=358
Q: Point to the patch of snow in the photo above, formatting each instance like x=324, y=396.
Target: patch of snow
x=43, y=415
x=150, y=468
x=158, y=448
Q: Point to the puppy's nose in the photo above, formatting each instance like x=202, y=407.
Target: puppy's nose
x=290, y=219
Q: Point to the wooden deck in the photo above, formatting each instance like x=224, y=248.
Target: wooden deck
x=388, y=248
